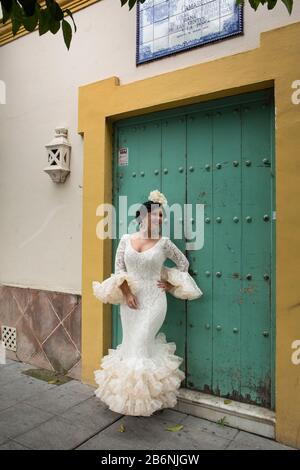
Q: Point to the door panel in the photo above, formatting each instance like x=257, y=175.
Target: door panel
x=135, y=180
x=174, y=187
x=200, y=311
x=256, y=309
x=226, y=257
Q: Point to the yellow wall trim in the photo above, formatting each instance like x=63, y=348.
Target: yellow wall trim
x=7, y=36
x=275, y=63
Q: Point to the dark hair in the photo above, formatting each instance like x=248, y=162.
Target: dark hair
x=146, y=206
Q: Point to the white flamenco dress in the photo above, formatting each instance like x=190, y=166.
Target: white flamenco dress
x=142, y=374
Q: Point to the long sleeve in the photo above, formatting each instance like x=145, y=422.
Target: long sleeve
x=120, y=266
x=185, y=286
x=176, y=255
x=109, y=291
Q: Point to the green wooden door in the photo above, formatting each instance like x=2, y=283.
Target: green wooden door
x=219, y=154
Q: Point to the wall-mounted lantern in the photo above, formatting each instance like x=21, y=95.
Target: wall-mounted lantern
x=58, y=156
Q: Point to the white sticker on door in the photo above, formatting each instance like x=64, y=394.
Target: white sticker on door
x=123, y=156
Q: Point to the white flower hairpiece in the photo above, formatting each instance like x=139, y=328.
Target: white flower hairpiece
x=157, y=196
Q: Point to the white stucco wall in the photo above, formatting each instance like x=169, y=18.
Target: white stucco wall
x=41, y=221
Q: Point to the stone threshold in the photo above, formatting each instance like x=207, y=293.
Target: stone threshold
x=250, y=418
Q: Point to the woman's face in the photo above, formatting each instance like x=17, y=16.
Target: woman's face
x=155, y=219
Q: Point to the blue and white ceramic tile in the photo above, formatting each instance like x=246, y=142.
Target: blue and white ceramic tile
x=168, y=26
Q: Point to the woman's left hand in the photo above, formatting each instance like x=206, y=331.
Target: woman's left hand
x=166, y=285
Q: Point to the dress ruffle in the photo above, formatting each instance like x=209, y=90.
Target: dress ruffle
x=109, y=290
x=185, y=286
x=139, y=386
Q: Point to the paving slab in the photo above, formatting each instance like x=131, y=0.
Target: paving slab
x=150, y=433
x=91, y=413
x=59, y=399
x=23, y=387
x=19, y=419
x=245, y=440
x=56, y=433
x=12, y=445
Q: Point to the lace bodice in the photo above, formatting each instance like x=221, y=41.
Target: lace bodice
x=147, y=264
x=145, y=268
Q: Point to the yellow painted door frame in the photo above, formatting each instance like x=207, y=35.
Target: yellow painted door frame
x=275, y=63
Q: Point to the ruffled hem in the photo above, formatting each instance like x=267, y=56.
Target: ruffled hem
x=109, y=290
x=138, y=386
x=185, y=286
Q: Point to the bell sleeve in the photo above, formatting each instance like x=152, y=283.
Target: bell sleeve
x=185, y=286
x=109, y=291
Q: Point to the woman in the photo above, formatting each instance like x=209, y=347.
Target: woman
x=142, y=374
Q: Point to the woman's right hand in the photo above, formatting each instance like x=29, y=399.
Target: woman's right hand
x=131, y=300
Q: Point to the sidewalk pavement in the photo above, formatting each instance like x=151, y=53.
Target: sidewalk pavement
x=36, y=415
